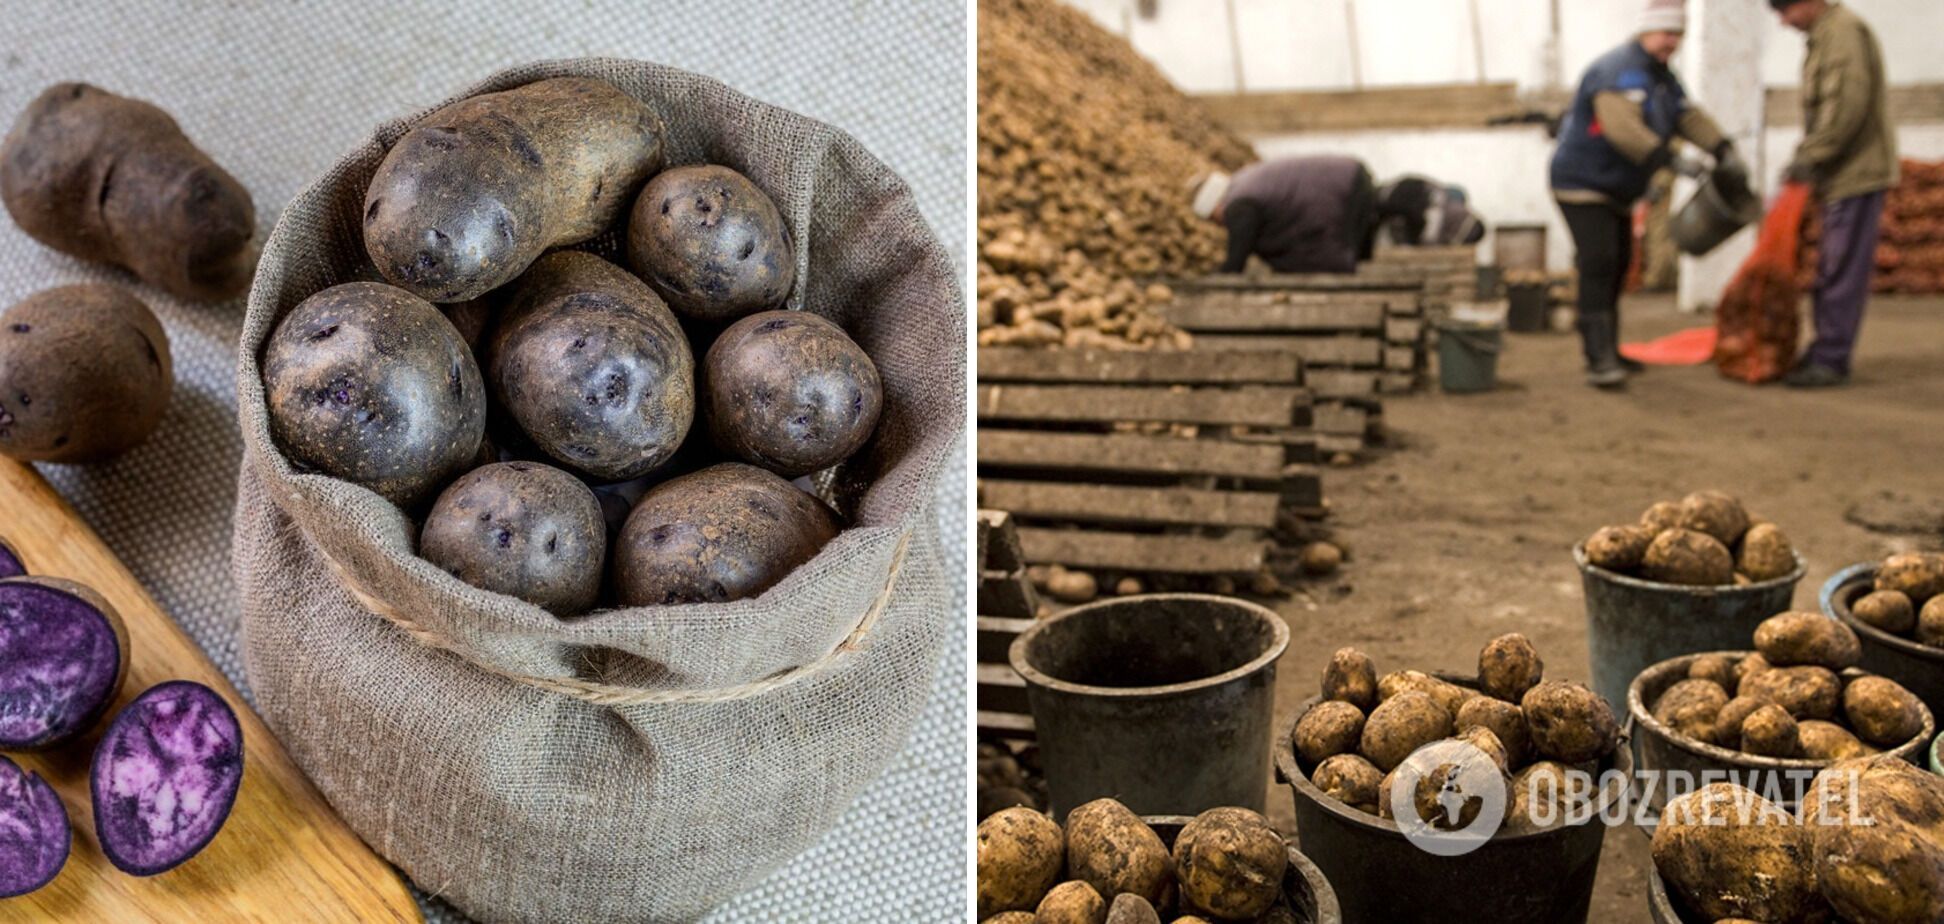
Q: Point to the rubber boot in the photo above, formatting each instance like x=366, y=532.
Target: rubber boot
x=1599, y=335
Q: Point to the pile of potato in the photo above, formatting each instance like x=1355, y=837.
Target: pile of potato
x=1795, y=697
x=1908, y=599
x=1086, y=153
x=495, y=379
x=1706, y=539
x=1352, y=741
x=1009, y=777
x=1866, y=846
x=1109, y=867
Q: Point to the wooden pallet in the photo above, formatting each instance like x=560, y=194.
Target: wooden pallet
x=1358, y=334
x=1007, y=605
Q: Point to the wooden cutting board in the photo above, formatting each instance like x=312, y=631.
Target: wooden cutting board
x=282, y=856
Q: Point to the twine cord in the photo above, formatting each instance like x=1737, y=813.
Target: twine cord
x=604, y=694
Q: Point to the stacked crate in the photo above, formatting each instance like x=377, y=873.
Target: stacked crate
x=1007, y=605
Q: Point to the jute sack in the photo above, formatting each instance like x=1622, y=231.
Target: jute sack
x=633, y=764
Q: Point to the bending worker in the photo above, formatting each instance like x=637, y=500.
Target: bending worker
x=1620, y=130
x=1299, y=214
x=1849, y=153
x=1416, y=211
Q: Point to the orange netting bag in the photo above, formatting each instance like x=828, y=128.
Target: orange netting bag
x=1757, y=323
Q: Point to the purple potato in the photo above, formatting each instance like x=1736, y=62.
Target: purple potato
x=523, y=529
x=34, y=832
x=84, y=374
x=724, y=533
x=789, y=391
x=165, y=776
x=63, y=654
x=10, y=563
x=711, y=243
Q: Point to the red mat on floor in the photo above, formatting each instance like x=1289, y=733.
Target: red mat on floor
x=1690, y=347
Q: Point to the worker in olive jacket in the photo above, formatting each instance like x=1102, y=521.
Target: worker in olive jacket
x=1299, y=214
x=1849, y=153
x=1619, y=132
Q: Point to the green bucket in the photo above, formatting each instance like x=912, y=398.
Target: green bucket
x=1468, y=355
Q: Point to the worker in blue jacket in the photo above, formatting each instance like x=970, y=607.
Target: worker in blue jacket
x=1620, y=131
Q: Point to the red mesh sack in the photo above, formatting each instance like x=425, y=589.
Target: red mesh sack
x=1757, y=323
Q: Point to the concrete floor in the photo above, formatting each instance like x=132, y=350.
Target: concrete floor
x=1464, y=530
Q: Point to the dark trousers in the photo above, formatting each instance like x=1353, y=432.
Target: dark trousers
x=1602, y=250
x=1847, y=255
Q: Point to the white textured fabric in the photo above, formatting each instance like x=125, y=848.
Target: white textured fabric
x=276, y=93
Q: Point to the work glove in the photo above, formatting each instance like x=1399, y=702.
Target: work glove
x=1730, y=170
x=1688, y=166
x=1799, y=172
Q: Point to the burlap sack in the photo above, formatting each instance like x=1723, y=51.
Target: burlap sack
x=636, y=764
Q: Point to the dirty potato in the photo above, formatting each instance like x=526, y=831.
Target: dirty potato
x=1690, y=707
x=1829, y=741
x=1071, y=903
x=1568, y=722
x=1229, y=864
x=1917, y=575
x=711, y=243
x=1750, y=663
x=1662, y=516
x=1508, y=666
x=1402, y=724
x=1791, y=639
x=1765, y=553
x=85, y=374
x=1688, y=557
x=1445, y=693
x=724, y=533
x=791, y=392
x=1547, y=794
x=1129, y=908
x=1771, y=732
x=1021, y=852
x=1882, y=712
x=1012, y=917
x=1891, y=868
x=1619, y=548
x=1715, y=513
x=1350, y=779
x=1930, y=623
x=1889, y=610
x=1729, y=853
x=1505, y=721
x=522, y=529
x=1808, y=691
x=1329, y=728
x=1112, y=850
x=1352, y=678
x=1728, y=721
x=1718, y=668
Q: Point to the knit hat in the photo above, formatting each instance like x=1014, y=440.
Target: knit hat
x=1781, y=5
x=1209, y=193
x=1664, y=16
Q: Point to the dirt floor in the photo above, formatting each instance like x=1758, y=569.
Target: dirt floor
x=1463, y=531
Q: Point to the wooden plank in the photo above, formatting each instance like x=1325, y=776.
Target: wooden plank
x=1091, y=503
x=1320, y=351
x=1001, y=542
x=1001, y=689
x=282, y=855
x=1400, y=358
x=1128, y=452
x=1007, y=593
x=1136, y=552
x=1453, y=105
x=1258, y=406
x=1005, y=725
x=1340, y=383
x=984, y=541
x=1136, y=367
x=1403, y=330
x=995, y=637
x=1212, y=313
x=1397, y=383
x=1312, y=282
x=1909, y=103
x=1338, y=418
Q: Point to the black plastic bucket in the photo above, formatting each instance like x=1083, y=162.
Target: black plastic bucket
x=1526, y=307
x=1919, y=667
x=1305, y=889
x=1713, y=215
x=1780, y=780
x=1163, y=701
x=1632, y=623
x=1529, y=877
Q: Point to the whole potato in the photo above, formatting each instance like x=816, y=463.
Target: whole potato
x=1504, y=720
x=1402, y=724
x=1728, y=853
x=789, y=391
x=1485, y=740
x=1350, y=779
x=1771, y=732
x=1429, y=798
x=1020, y=855
x=1619, y=548
x=1729, y=720
x=1568, y=722
x=1765, y=553
x=1129, y=908
x=1687, y=557
x=1716, y=514
x=1229, y=864
x=475, y=192
x=1662, y=516
x=727, y=532
x=1547, y=794
x=711, y=243
x=592, y=367
x=1329, y=728
x=1829, y=741
x=1930, y=623
x=1791, y=639
x=1012, y=917
x=1917, y=575
x=1808, y=691
x=1112, y=850
x=1445, y=693
x=1718, y=668
x=1352, y=678
x=84, y=374
x=1892, y=867
x=1071, y=903
x=1882, y=712
x=1508, y=666
x=1889, y=610
x=1691, y=706
x=1750, y=663
x=104, y=177
x=522, y=529
x=370, y=384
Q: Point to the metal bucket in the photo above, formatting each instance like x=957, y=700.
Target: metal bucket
x=1633, y=623
x=1304, y=888
x=1713, y=215
x=1164, y=701
x=1468, y=356
x=1919, y=667
x=1541, y=877
x=1662, y=748
x=1665, y=907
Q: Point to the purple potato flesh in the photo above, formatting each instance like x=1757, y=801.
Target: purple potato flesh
x=10, y=564
x=165, y=776
x=61, y=661
x=34, y=833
